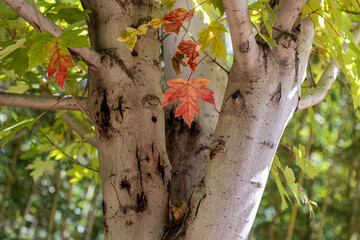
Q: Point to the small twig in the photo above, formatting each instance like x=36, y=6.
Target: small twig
x=12, y=33
x=351, y=12
x=214, y=60
x=172, y=225
x=216, y=109
x=284, y=145
x=70, y=158
x=37, y=15
x=337, y=72
x=80, y=106
x=325, y=20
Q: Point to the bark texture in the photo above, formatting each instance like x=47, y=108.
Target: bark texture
x=124, y=99
x=188, y=148
x=261, y=97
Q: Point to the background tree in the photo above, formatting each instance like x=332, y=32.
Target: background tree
x=123, y=91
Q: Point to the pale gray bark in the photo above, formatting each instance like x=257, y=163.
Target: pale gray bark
x=188, y=147
x=287, y=11
x=43, y=102
x=124, y=99
x=260, y=99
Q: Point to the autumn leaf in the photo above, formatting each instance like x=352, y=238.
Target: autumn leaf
x=156, y=23
x=60, y=60
x=191, y=50
x=176, y=19
x=177, y=60
x=131, y=35
x=211, y=34
x=188, y=92
x=178, y=211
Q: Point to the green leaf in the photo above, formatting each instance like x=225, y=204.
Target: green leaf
x=290, y=180
x=20, y=88
x=276, y=170
x=218, y=47
x=217, y=4
x=13, y=128
x=70, y=15
x=211, y=34
x=269, y=17
x=9, y=49
x=78, y=172
x=20, y=61
x=305, y=164
x=168, y=4
x=271, y=42
x=38, y=168
x=40, y=49
x=282, y=191
x=71, y=38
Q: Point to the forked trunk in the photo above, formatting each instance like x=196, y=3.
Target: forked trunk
x=259, y=102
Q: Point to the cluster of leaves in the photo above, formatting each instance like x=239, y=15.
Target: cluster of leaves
x=286, y=175
x=24, y=54
x=187, y=91
x=334, y=22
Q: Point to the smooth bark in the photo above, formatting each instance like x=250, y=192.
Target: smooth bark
x=124, y=99
x=259, y=102
x=188, y=147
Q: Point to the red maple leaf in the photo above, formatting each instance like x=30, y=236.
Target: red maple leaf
x=176, y=19
x=191, y=50
x=188, y=92
x=60, y=60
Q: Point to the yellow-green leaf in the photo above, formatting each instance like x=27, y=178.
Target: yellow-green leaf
x=38, y=168
x=131, y=35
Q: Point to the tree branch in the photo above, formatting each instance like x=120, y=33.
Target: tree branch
x=79, y=127
x=322, y=88
x=287, y=11
x=39, y=102
x=242, y=36
x=26, y=11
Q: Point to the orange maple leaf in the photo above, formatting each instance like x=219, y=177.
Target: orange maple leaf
x=188, y=92
x=60, y=60
x=176, y=19
x=191, y=50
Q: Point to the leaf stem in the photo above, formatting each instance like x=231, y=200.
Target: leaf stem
x=52, y=107
x=200, y=4
x=37, y=15
x=208, y=55
x=80, y=106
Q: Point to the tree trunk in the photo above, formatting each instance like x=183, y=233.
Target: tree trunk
x=260, y=99
x=188, y=148
x=124, y=99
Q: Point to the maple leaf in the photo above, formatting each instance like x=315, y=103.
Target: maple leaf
x=188, y=92
x=131, y=35
x=60, y=60
x=191, y=50
x=38, y=168
x=210, y=35
x=176, y=19
x=156, y=23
